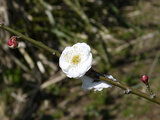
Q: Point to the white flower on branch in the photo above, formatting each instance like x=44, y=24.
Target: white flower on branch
x=75, y=61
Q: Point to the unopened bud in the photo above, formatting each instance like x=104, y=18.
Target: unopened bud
x=12, y=42
x=144, y=79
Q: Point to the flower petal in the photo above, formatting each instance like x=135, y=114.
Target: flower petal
x=66, y=60
x=88, y=84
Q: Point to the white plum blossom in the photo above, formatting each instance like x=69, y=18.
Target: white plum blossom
x=75, y=61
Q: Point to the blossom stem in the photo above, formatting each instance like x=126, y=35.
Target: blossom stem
x=32, y=41
x=101, y=76
x=132, y=90
x=92, y=73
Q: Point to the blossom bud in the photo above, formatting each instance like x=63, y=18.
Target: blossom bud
x=144, y=79
x=12, y=42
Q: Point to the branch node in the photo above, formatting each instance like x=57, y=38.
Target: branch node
x=127, y=91
x=152, y=96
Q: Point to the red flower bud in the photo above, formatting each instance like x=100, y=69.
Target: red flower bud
x=12, y=42
x=144, y=79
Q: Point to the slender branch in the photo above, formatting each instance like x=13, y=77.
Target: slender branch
x=92, y=73
x=101, y=77
x=32, y=41
x=131, y=90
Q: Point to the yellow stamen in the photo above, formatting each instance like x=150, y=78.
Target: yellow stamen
x=76, y=59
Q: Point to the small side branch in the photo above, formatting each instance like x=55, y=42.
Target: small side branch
x=32, y=41
x=132, y=90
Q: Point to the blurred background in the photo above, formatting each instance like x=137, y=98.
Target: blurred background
x=125, y=41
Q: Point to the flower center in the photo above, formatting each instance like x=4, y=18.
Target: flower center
x=76, y=59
